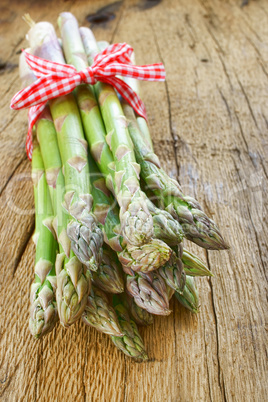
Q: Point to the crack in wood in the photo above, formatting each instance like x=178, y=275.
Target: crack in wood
x=225, y=71
x=209, y=385
x=191, y=31
x=215, y=39
x=225, y=103
x=220, y=373
x=253, y=226
x=248, y=102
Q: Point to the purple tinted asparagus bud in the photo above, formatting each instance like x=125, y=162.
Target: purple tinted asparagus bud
x=149, y=292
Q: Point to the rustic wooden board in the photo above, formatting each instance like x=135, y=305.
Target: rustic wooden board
x=209, y=123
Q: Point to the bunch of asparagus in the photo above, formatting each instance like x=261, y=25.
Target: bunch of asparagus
x=105, y=252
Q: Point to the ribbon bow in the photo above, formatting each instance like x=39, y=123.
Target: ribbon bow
x=55, y=79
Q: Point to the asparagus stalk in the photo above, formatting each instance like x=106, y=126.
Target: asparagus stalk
x=73, y=280
x=131, y=343
x=196, y=225
x=73, y=284
x=173, y=273
x=149, y=292
x=109, y=276
x=100, y=315
x=189, y=298
x=86, y=236
x=43, y=311
x=136, y=220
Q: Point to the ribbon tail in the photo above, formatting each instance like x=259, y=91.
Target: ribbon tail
x=128, y=94
x=33, y=115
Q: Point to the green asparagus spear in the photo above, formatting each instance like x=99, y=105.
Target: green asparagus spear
x=100, y=315
x=43, y=312
x=73, y=280
x=86, y=236
x=189, y=297
x=131, y=343
x=193, y=266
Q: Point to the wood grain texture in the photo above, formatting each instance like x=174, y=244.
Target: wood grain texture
x=209, y=123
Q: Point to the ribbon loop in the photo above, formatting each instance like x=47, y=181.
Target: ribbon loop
x=55, y=79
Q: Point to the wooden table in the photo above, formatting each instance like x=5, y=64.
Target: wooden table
x=209, y=122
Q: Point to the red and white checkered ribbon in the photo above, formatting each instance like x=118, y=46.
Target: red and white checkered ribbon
x=55, y=79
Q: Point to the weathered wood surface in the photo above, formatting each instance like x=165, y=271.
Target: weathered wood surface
x=210, y=124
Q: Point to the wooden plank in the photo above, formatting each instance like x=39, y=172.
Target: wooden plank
x=209, y=127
